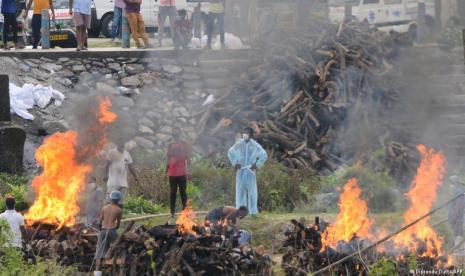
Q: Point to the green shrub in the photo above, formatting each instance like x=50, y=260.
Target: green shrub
x=282, y=190
x=12, y=264
x=139, y=205
x=378, y=188
x=385, y=266
x=17, y=186
x=213, y=184
x=216, y=185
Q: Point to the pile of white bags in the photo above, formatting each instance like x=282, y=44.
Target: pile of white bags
x=24, y=98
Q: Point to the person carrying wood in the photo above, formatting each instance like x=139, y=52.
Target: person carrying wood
x=109, y=222
x=247, y=156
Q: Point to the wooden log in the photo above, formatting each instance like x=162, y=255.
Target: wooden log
x=115, y=244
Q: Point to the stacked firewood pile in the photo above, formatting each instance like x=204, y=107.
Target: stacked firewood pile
x=306, y=84
x=161, y=250
x=304, y=253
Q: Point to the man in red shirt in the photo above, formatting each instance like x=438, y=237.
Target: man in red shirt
x=178, y=155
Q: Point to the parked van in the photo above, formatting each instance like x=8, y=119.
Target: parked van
x=149, y=10
x=387, y=15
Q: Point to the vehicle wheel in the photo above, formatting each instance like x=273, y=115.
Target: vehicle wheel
x=94, y=31
x=106, y=25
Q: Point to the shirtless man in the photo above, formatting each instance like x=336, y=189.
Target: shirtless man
x=228, y=215
x=110, y=218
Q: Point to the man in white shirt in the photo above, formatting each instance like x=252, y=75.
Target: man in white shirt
x=119, y=162
x=15, y=221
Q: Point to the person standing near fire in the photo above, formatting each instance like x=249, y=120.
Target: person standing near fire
x=118, y=165
x=15, y=222
x=177, y=170
x=94, y=202
x=247, y=156
x=109, y=222
x=39, y=5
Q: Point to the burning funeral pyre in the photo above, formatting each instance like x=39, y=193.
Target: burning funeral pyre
x=53, y=230
x=186, y=248
x=313, y=248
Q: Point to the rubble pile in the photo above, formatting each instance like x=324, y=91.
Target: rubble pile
x=303, y=91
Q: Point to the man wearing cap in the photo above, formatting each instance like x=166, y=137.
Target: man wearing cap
x=110, y=218
x=456, y=210
x=15, y=222
x=247, y=156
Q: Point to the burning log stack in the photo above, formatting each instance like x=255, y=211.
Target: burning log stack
x=351, y=244
x=161, y=250
x=304, y=87
x=305, y=254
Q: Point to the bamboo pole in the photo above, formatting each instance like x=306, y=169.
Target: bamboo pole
x=388, y=237
x=155, y=216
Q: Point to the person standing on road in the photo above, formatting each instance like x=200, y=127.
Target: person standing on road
x=215, y=13
x=247, y=156
x=82, y=15
x=119, y=162
x=136, y=22
x=167, y=8
x=182, y=31
x=39, y=5
x=177, y=170
x=10, y=24
x=117, y=19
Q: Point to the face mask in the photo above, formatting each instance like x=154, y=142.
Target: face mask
x=245, y=136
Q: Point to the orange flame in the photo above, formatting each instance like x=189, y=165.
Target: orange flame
x=64, y=176
x=422, y=195
x=186, y=220
x=61, y=180
x=352, y=218
x=105, y=116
